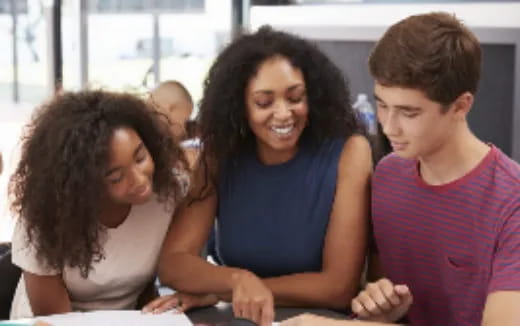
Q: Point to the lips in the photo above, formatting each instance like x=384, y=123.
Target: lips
x=283, y=130
x=398, y=145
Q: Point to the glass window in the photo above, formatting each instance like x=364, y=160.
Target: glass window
x=119, y=50
x=6, y=57
x=190, y=42
x=140, y=5
x=183, y=57
x=33, y=61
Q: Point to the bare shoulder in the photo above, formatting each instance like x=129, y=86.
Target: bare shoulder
x=356, y=156
x=357, y=143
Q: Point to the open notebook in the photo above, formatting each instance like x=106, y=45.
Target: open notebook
x=117, y=318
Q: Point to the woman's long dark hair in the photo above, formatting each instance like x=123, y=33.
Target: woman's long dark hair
x=222, y=116
x=58, y=185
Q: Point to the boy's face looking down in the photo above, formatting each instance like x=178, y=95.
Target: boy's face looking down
x=416, y=126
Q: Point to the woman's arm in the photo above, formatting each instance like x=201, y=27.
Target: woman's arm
x=180, y=264
x=345, y=243
x=182, y=268
x=47, y=294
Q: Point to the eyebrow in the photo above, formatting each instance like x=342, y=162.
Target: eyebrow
x=408, y=108
x=114, y=169
x=400, y=107
x=265, y=91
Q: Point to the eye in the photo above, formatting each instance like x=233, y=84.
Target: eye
x=408, y=114
x=381, y=106
x=141, y=155
x=296, y=95
x=296, y=99
x=116, y=179
x=140, y=158
x=263, y=104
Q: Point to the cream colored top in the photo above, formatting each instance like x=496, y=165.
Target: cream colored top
x=131, y=256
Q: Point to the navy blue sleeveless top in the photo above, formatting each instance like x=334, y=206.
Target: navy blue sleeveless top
x=272, y=219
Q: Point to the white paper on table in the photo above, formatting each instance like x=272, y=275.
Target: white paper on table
x=117, y=318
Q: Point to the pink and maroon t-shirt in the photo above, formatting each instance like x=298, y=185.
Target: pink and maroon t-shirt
x=452, y=244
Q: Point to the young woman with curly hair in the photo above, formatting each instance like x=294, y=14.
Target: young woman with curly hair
x=285, y=170
x=94, y=193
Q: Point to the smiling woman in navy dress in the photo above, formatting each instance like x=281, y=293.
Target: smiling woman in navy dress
x=285, y=173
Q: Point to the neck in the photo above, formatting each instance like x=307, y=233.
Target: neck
x=453, y=159
x=272, y=157
x=114, y=214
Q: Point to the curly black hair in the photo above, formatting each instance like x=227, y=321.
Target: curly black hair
x=222, y=116
x=59, y=182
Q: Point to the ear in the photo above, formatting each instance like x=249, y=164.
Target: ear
x=462, y=105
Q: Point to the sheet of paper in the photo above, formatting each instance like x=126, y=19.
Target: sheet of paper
x=117, y=318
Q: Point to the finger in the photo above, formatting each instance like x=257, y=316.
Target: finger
x=150, y=307
x=166, y=305
x=267, y=316
x=384, y=283
x=359, y=309
x=246, y=310
x=242, y=308
x=390, y=293
x=402, y=290
x=366, y=300
x=258, y=307
x=408, y=301
x=184, y=306
x=236, y=308
x=256, y=311
x=405, y=294
x=380, y=298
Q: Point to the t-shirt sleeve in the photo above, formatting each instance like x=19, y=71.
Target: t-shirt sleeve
x=24, y=254
x=506, y=261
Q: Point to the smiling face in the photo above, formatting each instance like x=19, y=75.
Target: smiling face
x=129, y=176
x=415, y=126
x=276, y=109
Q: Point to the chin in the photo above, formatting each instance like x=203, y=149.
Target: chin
x=284, y=147
x=141, y=199
x=287, y=144
x=406, y=155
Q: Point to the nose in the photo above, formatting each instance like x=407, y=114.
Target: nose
x=390, y=123
x=138, y=179
x=282, y=111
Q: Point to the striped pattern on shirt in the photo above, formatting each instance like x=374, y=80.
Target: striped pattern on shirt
x=452, y=244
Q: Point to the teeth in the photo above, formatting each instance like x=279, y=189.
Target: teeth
x=283, y=131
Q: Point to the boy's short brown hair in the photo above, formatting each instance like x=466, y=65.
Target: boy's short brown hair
x=434, y=53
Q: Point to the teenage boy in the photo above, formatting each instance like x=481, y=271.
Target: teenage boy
x=445, y=204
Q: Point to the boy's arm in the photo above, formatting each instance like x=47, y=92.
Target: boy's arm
x=502, y=309
x=503, y=301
